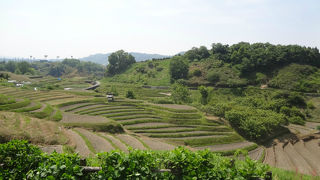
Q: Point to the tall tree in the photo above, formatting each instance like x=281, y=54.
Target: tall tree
x=118, y=62
x=178, y=68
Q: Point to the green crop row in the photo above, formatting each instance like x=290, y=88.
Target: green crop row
x=57, y=116
x=46, y=112
x=28, y=109
x=138, y=121
x=111, y=110
x=212, y=141
x=164, y=131
x=111, y=127
x=80, y=106
x=181, y=135
x=15, y=105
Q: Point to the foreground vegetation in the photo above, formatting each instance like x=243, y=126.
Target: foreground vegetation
x=22, y=160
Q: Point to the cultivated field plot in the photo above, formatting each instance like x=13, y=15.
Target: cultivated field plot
x=158, y=127
x=301, y=156
x=38, y=103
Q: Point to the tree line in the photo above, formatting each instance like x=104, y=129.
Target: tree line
x=55, y=69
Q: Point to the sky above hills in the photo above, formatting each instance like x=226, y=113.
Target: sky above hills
x=78, y=28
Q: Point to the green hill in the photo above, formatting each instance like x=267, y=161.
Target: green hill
x=290, y=67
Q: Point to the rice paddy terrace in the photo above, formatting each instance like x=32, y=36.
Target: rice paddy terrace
x=150, y=126
x=91, y=125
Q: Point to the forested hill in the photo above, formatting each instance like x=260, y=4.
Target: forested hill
x=291, y=67
x=103, y=58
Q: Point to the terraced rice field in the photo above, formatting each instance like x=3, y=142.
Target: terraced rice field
x=147, y=126
x=302, y=156
x=158, y=127
x=39, y=101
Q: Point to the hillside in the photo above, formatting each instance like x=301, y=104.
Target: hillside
x=103, y=58
x=268, y=112
x=289, y=67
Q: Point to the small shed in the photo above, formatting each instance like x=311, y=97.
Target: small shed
x=110, y=97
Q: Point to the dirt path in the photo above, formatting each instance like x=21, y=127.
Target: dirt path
x=227, y=147
x=282, y=159
x=312, y=160
x=80, y=144
x=156, y=144
x=117, y=142
x=270, y=156
x=298, y=161
x=131, y=141
x=74, y=118
x=98, y=143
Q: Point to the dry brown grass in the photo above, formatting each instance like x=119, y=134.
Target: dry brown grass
x=37, y=131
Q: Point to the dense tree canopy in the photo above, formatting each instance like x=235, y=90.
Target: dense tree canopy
x=178, y=68
x=119, y=61
x=197, y=53
x=67, y=66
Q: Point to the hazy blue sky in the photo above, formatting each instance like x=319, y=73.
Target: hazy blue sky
x=82, y=27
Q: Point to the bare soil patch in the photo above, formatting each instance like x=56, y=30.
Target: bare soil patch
x=282, y=159
x=156, y=144
x=298, y=161
x=131, y=141
x=270, y=156
x=74, y=118
x=312, y=160
x=312, y=125
x=301, y=130
x=176, y=106
x=117, y=142
x=313, y=147
x=80, y=144
x=256, y=153
x=98, y=143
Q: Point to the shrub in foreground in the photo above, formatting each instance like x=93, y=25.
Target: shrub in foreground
x=22, y=160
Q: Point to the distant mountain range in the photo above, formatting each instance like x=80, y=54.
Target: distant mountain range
x=103, y=58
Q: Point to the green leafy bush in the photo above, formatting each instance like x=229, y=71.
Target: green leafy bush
x=130, y=94
x=18, y=157
x=24, y=161
x=255, y=123
x=135, y=165
x=213, y=77
x=5, y=100
x=58, y=166
x=197, y=72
